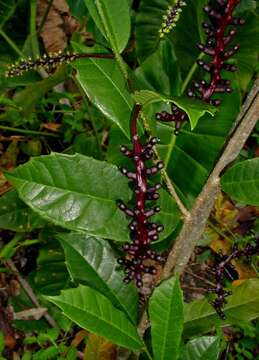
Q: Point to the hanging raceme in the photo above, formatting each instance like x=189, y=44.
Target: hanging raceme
x=172, y=16
x=219, y=36
x=49, y=62
x=142, y=231
x=225, y=268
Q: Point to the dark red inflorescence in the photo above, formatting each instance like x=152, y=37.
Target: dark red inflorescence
x=142, y=231
x=217, y=47
x=225, y=269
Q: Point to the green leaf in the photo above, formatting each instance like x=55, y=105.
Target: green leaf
x=166, y=317
x=160, y=71
x=247, y=57
x=241, y=182
x=75, y=192
x=202, y=348
x=7, y=9
x=77, y=8
x=195, y=152
x=149, y=21
x=30, y=96
x=112, y=17
x=15, y=214
x=91, y=261
x=94, y=312
x=169, y=214
x=51, y=275
x=103, y=83
x=243, y=305
x=187, y=34
x=195, y=109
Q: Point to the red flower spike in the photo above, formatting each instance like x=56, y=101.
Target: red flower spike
x=142, y=232
x=221, y=17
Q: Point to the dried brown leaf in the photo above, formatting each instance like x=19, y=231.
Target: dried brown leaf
x=30, y=314
x=59, y=25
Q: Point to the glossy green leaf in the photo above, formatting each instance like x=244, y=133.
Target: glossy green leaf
x=243, y=305
x=15, y=215
x=195, y=152
x=187, y=34
x=202, y=348
x=166, y=317
x=91, y=261
x=241, y=182
x=160, y=71
x=247, y=57
x=94, y=312
x=76, y=192
x=195, y=109
x=103, y=83
x=112, y=17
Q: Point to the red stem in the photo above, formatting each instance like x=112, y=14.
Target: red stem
x=218, y=58
x=141, y=180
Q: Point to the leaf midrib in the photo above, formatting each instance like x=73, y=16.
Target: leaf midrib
x=110, y=80
x=100, y=319
x=61, y=188
x=102, y=281
x=167, y=327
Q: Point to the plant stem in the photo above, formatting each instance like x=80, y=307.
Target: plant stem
x=11, y=43
x=165, y=176
x=190, y=73
x=148, y=354
x=27, y=288
x=170, y=149
x=44, y=18
x=118, y=57
x=27, y=132
x=174, y=194
x=9, y=14
x=33, y=32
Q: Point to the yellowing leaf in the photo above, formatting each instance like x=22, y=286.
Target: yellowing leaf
x=99, y=349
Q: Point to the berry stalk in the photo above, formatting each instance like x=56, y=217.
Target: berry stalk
x=217, y=47
x=142, y=231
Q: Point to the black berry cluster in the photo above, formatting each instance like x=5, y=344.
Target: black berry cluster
x=225, y=269
x=142, y=231
x=220, y=31
x=48, y=62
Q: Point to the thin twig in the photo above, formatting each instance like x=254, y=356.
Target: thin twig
x=173, y=193
x=166, y=178
x=199, y=278
x=27, y=132
x=44, y=18
x=27, y=288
